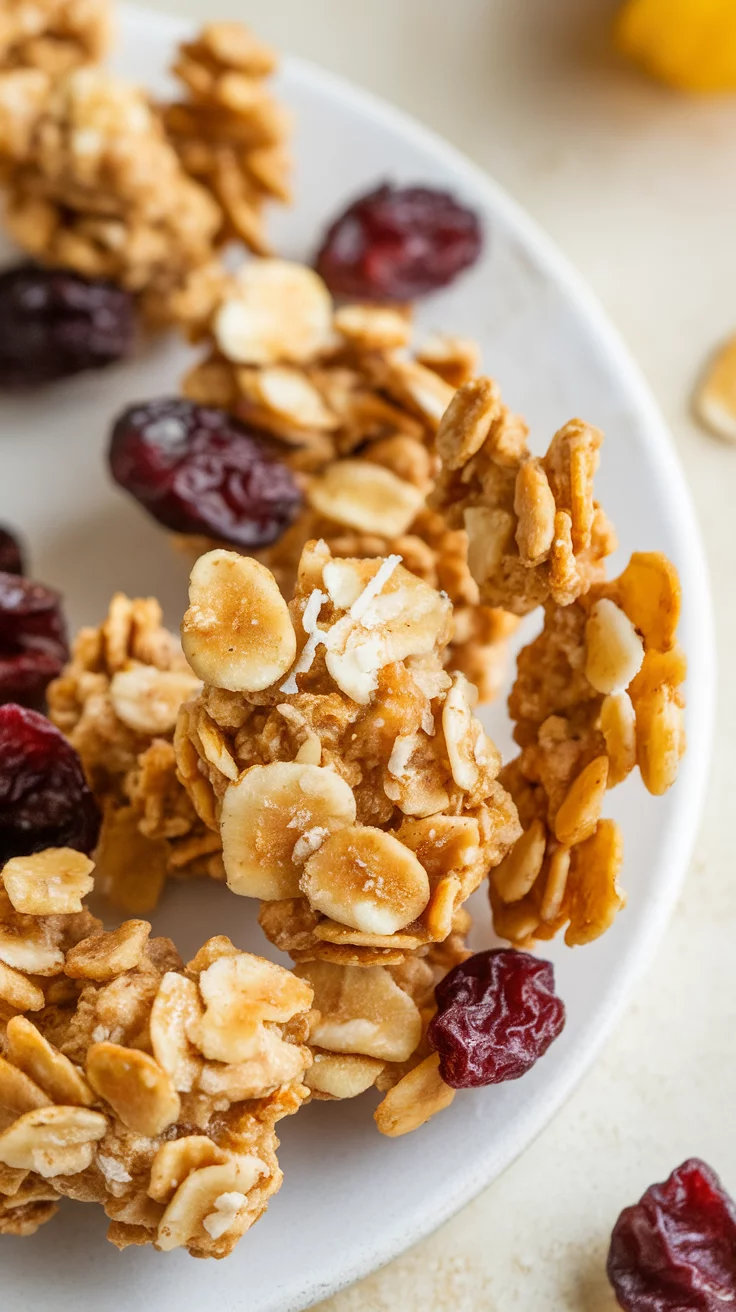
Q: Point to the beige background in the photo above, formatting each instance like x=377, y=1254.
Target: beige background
x=638, y=186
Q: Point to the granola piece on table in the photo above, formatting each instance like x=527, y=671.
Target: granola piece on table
x=360, y=415
x=354, y=790
x=149, y=1087
x=53, y=35
x=117, y=701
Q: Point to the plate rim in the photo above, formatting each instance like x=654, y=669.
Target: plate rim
x=657, y=439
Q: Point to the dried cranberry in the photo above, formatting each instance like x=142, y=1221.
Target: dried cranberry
x=54, y=323
x=497, y=1014
x=11, y=553
x=675, y=1250
x=398, y=243
x=44, y=798
x=33, y=645
x=199, y=470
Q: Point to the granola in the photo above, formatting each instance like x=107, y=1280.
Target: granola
x=597, y=693
x=360, y=416
x=371, y=1026
x=355, y=793
x=92, y=183
x=117, y=701
x=53, y=35
x=535, y=531
x=149, y=1087
x=229, y=131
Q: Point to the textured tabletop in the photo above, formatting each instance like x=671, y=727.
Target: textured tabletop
x=638, y=187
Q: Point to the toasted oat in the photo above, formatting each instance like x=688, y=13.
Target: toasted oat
x=275, y=312
x=237, y=633
x=274, y=818
x=104, y=956
x=48, y=883
x=417, y=1097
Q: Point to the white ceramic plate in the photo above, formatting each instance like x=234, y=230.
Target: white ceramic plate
x=352, y=1199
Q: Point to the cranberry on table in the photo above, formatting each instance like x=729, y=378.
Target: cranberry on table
x=196, y=469
x=54, y=323
x=497, y=1014
x=675, y=1250
x=33, y=643
x=398, y=243
x=44, y=797
x=11, y=553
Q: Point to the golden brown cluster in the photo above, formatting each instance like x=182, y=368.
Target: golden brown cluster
x=598, y=692
x=92, y=184
x=53, y=35
x=130, y=1080
x=117, y=702
x=360, y=416
x=353, y=788
x=229, y=131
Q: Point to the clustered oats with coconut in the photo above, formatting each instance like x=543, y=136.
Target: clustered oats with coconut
x=314, y=739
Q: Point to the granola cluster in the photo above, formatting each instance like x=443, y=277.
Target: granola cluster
x=117, y=702
x=92, y=183
x=354, y=790
x=53, y=35
x=229, y=131
x=535, y=531
x=360, y=414
x=597, y=693
x=99, y=180
x=131, y=1080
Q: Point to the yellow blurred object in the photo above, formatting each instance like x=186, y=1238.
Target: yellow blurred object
x=691, y=44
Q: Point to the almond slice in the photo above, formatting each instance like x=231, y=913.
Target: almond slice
x=198, y=1195
x=278, y=311
x=366, y=879
x=273, y=818
x=362, y=1010
x=613, y=649
x=366, y=497
x=237, y=633
x=135, y=1086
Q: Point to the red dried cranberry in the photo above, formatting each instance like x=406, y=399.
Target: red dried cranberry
x=198, y=470
x=54, y=324
x=497, y=1014
x=44, y=798
x=675, y=1250
x=33, y=645
x=11, y=553
x=398, y=243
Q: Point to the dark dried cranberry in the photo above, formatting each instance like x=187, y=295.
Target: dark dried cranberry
x=33, y=645
x=11, y=553
x=199, y=470
x=54, y=323
x=497, y=1014
x=675, y=1250
x=398, y=243
x=44, y=798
